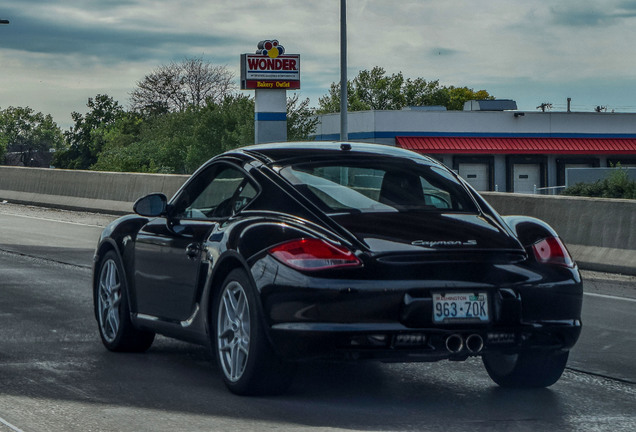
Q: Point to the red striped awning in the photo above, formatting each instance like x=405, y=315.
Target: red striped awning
x=515, y=145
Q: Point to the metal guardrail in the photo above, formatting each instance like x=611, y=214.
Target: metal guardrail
x=551, y=190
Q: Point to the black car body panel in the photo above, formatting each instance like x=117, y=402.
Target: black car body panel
x=176, y=260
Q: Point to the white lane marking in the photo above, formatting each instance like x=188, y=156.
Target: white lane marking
x=53, y=220
x=611, y=297
x=10, y=426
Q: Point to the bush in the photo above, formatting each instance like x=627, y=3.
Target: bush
x=616, y=185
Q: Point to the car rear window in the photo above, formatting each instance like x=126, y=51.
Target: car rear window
x=378, y=186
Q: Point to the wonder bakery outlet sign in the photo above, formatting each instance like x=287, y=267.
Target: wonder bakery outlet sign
x=270, y=68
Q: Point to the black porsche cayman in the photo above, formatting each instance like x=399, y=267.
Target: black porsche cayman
x=276, y=253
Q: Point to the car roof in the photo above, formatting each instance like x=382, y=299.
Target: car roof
x=279, y=152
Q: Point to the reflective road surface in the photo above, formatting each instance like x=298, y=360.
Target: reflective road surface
x=56, y=376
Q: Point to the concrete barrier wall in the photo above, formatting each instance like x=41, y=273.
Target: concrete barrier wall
x=600, y=233
x=87, y=190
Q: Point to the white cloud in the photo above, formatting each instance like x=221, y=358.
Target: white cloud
x=56, y=54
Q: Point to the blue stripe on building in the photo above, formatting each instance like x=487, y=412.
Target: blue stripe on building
x=270, y=116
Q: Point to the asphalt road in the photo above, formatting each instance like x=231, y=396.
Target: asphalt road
x=56, y=376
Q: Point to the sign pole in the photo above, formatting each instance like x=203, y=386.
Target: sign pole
x=344, y=132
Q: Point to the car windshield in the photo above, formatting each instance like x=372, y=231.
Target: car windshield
x=378, y=186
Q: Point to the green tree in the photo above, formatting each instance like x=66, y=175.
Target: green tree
x=379, y=91
x=160, y=145
x=222, y=127
x=330, y=103
x=24, y=131
x=375, y=90
x=87, y=137
x=419, y=92
x=177, y=142
x=119, y=152
x=458, y=95
x=3, y=146
x=301, y=121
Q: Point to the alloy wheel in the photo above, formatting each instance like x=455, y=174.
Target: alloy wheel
x=109, y=299
x=233, y=331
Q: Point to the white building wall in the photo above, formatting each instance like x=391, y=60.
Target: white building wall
x=383, y=126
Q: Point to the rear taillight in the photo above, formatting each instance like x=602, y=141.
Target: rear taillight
x=314, y=254
x=551, y=250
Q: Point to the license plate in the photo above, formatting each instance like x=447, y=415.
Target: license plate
x=460, y=307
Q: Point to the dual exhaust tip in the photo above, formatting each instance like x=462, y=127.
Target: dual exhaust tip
x=455, y=343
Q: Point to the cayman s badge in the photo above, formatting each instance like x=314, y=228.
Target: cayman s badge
x=443, y=243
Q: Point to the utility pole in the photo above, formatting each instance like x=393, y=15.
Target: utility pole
x=344, y=133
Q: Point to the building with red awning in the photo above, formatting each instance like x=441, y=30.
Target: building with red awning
x=504, y=150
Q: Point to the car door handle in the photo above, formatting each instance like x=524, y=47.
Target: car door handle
x=193, y=250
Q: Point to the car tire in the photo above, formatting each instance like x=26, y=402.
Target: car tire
x=110, y=298
x=244, y=354
x=528, y=369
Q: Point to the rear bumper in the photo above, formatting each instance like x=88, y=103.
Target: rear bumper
x=396, y=342
x=530, y=307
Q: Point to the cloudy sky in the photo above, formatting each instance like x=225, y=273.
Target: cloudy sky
x=56, y=54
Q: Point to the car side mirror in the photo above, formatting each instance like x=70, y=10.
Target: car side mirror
x=152, y=205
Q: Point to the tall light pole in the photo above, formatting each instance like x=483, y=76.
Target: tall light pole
x=344, y=133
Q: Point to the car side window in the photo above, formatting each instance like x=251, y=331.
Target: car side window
x=217, y=192
x=245, y=194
